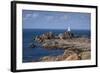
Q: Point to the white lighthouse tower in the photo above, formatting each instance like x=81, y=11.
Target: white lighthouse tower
x=69, y=29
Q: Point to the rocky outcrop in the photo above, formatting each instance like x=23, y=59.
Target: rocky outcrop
x=45, y=36
x=66, y=35
x=50, y=35
x=64, y=40
x=75, y=48
x=32, y=45
x=66, y=56
x=66, y=44
x=50, y=44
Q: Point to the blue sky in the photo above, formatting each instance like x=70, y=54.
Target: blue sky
x=32, y=19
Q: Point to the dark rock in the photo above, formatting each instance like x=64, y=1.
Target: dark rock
x=31, y=45
x=50, y=35
x=45, y=36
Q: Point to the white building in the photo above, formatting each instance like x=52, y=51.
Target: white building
x=69, y=29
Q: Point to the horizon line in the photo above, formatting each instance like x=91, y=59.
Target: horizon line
x=56, y=29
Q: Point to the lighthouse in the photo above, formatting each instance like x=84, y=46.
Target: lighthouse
x=69, y=29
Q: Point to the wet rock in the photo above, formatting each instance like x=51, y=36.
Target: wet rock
x=31, y=45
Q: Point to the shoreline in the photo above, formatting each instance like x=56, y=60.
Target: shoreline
x=75, y=48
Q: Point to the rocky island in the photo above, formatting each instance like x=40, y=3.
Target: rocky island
x=75, y=48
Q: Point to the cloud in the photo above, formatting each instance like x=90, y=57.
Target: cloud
x=57, y=18
x=27, y=16
x=30, y=15
x=65, y=17
x=34, y=15
x=49, y=17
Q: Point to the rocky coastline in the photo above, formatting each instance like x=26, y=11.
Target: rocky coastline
x=75, y=48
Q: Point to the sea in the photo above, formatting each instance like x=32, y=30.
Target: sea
x=30, y=54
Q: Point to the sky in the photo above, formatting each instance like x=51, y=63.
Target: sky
x=32, y=19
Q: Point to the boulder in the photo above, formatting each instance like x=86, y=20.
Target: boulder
x=32, y=45
x=73, y=57
x=85, y=55
x=45, y=36
x=48, y=35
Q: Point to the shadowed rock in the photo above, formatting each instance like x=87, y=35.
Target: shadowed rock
x=32, y=45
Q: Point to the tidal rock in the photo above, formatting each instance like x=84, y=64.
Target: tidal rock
x=31, y=45
x=38, y=39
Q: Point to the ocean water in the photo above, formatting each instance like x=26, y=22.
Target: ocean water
x=34, y=54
